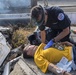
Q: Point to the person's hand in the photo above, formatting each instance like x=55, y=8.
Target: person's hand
x=49, y=44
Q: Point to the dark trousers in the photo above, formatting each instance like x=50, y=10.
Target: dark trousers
x=74, y=54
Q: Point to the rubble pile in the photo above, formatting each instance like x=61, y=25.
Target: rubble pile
x=11, y=44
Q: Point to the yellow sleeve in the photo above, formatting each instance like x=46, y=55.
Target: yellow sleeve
x=42, y=63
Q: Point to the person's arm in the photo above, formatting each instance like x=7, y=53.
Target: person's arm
x=43, y=36
x=54, y=69
x=64, y=33
x=67, y=43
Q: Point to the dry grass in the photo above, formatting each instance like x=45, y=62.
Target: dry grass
x=19, y=37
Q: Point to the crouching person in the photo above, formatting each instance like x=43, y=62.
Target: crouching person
x=45, y=59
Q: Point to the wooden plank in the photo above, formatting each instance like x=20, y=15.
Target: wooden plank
x=36, y=70
x=25, y=68
x=30, y=68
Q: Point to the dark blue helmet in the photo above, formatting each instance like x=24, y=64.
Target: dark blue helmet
x=35, y=12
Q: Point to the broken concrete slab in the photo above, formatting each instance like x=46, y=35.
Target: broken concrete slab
x=4, y=49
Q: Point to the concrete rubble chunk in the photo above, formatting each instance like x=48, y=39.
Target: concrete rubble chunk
x=4, y=49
